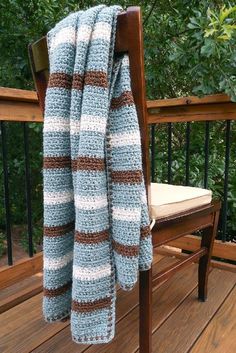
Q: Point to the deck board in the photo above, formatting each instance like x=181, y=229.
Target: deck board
x=181, y=324
x=220, y=335
x=126, y=302
x=19, y=292
x=179, y=332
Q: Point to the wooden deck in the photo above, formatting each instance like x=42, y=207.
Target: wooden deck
x=181, y=323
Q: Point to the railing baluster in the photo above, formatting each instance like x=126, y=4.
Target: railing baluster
x=6, y=194
x=187, y=153
x=153, y=152
x=28, y=189
x=169, y=152
x=206, y=149
x=226, y=179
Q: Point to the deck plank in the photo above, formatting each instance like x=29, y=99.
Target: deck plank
x=180, y=331
x=220, y=334
x=23, y=326
x=181, y=324
x=126, y=301
x=165, y=301
x=19, y=292
x=25, y=320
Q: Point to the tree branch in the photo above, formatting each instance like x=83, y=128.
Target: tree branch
x=150, y=12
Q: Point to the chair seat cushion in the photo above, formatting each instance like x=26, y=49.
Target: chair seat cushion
x=168, y=200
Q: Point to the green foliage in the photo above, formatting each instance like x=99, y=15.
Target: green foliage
x=194, y=48
x=183, y=39
x=3, y=247
x=37, y=238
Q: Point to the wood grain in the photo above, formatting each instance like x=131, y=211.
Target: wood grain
x=20, y=111
x=20, y=291
x=170, y=251
x=9, y=275
x=191, y=100
x=60, y=340
x=179, y=332
x=22, y=327
x=166, y=299
x=220, y=334
x=15, y=94
x=222, y=250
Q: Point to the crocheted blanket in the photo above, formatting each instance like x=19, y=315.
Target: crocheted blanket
x=96, y=220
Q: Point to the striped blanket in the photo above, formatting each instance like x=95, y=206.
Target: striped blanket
x=96, y=220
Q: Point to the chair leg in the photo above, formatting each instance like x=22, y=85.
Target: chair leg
x=145, y=311
x=208, y=237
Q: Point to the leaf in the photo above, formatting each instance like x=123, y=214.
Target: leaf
x=223, y=37
x=192, y=26
x=224, y=13
x=208, y=48
x=209, y=32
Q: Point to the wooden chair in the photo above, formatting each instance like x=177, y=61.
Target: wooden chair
x=130, y=39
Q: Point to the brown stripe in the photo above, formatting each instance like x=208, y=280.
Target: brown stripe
x=88, y=163
x=127, y=176
x=96, y=78
x=78, y=81
x=57, y=291
x=90, y=306
x=56, y=162
x=125, y=250
x=60, y=79
x=145, y=231
x=91, y=238
x=126, y=98
x=59, y=230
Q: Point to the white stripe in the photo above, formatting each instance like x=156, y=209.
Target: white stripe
x=126, y=214
x=65, y=35
x=124, y=139
x=56, y=124
x=59, y=262
x=52, y=198
x=84, y=33
x=144, y=197
x=125, y=61
x=90, y=202
x=93, y=273
x=74, y=127
x=93, y=123
x=102, y=30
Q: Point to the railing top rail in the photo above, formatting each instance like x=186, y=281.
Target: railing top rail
x=22, y=105
x=209, y=108
x=7, y=93
x=22, y=95
x=191, y=100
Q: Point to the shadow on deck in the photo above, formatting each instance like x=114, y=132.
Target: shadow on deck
x=181, y=323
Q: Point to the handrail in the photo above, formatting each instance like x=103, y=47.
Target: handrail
x=22, y=105
x=19, y=105
x=186, y=109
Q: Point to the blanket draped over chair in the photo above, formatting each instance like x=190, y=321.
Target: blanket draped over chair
x=96, y=220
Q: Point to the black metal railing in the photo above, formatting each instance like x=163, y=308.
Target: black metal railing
x=168, y=161
x=6, y=194
x=162, y=169
x=7, y=223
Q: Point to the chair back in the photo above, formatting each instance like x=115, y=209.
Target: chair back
x=129, y=38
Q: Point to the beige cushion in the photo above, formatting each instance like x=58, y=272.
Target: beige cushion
x=167, y=200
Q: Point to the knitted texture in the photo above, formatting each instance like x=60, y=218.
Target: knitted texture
x=96, y=220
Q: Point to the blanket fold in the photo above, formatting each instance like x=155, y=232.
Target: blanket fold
x=96, y=220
